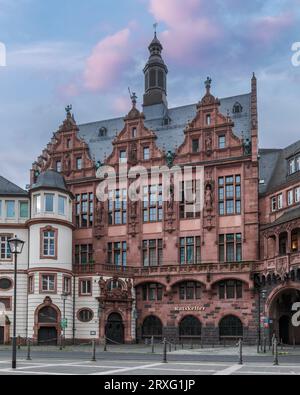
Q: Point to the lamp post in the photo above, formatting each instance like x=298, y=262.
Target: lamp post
x=64, y=297
x=16, y=247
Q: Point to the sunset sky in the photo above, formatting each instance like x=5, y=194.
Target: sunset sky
x=88, y=53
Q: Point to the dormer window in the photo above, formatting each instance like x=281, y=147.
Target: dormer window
x=208, y=119
x=69, y=143
x=237, y=108
x=294, y=165
x=102, y=132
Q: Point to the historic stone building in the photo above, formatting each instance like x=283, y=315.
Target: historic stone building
x=132, y=269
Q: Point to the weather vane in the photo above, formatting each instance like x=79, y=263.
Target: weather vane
x=133, y=97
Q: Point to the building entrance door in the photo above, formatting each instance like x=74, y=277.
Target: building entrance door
x=284, y=329
x=47, y=336
x=115, y=329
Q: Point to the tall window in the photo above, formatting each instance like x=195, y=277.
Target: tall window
x=62, y=203
x=84, y=210
x=152, y=292
x=117, y=253
x=58, y=166
x=79, y=163
x=222, y=142
x=190, y=250
x=49, y=203
x=146, y=153
x=190, y=199
x=49, y=243
x=195, y=146
x=67, y=285
x=152, y=252
x=117, y=207
x=230, y=195
x=152, y=204
x=230, y=248
x=5, y=253
x=230, y=289
x=85, y=287
x=48, y=283
x=10, y=209
x=37, y=204
x=123, y=156
x=84, y=254
x=24, y=210
x=190, y=291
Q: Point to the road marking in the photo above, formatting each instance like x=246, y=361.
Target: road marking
x=127, y=369
x=229, y=371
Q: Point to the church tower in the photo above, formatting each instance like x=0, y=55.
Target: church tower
x=156, y=73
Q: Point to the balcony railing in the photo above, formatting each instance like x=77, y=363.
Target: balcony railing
x=167, y=268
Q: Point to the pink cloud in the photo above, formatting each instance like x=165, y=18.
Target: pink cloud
x=108, y=60
x=267, y=28
x=189, y=28
x=122, y=104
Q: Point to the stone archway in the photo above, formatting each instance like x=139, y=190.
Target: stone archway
x=280, y=312
x=47, y=323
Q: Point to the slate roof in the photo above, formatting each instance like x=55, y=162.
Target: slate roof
x=168, y=137
x=7, y=188
x=50, y=179
x=274, y=167
x=288, y=216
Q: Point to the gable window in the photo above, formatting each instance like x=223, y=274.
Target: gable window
x=195, y=146
x=69, y=143
x=58, y=167
x=190, y=250
x=134, y=132
x=49, y=243
x=222, y=142
x=79, y=163
x=49, y=203
x=208, y=119
x=10, y=209
x=48, y=283
x=237, y=108
x=123, y=156
x=5, y=253
x=146, y=153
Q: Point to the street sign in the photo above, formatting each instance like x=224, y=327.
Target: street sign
x=64, y=323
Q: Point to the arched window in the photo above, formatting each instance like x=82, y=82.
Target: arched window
x=237, y=108
x=47, y=315
x=190, y=327
x=102, y=132
x=231, y=327
x=152, y=326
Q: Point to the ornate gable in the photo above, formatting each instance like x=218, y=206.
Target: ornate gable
x=66, y=153
x=209, y=136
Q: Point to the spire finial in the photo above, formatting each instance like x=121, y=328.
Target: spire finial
x=208, y=84
x=155, y=28
x=133, y=98
x=69, y=109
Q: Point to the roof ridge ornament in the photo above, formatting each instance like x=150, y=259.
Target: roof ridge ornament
x=208, y=83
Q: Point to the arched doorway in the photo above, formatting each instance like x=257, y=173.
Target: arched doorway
x=114, y=330
x=281, y=314
x=231, y=328
x=190, y=328
x=152, y=326
x=48, y=322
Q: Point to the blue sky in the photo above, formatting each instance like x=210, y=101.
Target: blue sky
x=88, y=53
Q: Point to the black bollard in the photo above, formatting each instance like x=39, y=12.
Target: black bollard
x=258, y=346
x=94, y=351
x=105, y=345
x=276, y=362
x=170, y=347
x=165, y=360
x=28, y=351
x=240, y=344
x=152, y=345
x=265, y=345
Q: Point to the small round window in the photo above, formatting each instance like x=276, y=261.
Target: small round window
x=5, y=284
x=85, y=315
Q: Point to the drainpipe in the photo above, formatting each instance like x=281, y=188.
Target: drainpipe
x=74, y=306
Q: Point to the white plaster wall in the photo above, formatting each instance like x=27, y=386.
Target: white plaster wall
x=22, y=258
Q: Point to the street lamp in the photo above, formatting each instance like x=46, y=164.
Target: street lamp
x=16, y=247
x=64, y=297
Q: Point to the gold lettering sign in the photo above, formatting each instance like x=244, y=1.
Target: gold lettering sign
x=190, y=308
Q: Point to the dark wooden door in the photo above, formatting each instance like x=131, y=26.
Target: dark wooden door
x=47, y=336
x=284, y=329
x=1, y=335
x=115, y=329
